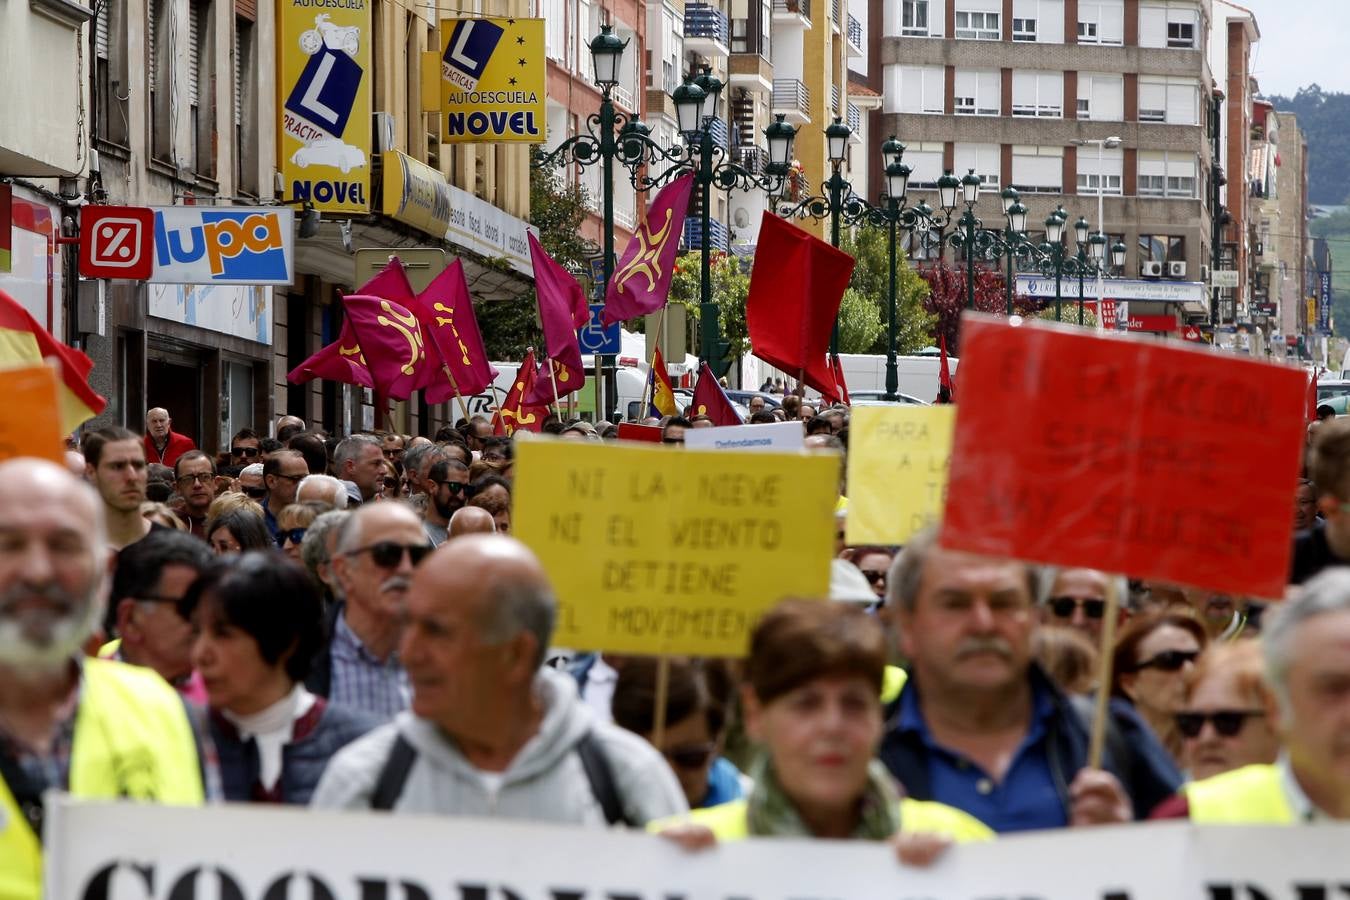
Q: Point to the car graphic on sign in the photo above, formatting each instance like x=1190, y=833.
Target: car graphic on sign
x=329, y=152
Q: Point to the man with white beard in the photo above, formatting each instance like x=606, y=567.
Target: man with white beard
x=97, y=728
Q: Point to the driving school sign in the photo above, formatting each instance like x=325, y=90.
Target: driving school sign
x=323, y=101
x=492, y=80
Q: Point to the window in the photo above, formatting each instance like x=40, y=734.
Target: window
x=1105, y=176
x=1038, y=20
x=110, y=72
x=914, y=18
x=985, y=159
x=919, y=89
x=979, y=20
x=1171, y=175
x=245, y=109
x=1181, y=34
x=555, y=30
x=925, y=162
x=1101, y=22
x=200, y=84
x=1101, y=98
x=1038, y=94
x=1038, y=170
x=1161, y=248
x=1175, y=101
x=977, y=92
x=1172, y=24
x=159, y=25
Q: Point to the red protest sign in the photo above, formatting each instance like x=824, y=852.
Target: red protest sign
x=631, y=431
x=1124, y=454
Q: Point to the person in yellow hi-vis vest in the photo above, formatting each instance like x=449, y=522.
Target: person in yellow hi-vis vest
x=813, y=703
x=96, y=728
x=1306, y=645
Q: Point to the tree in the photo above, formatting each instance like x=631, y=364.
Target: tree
x=947, y=298
x=859, y=322
x=557, y=208
x=730, y=287
x=1068, y=314
x=869, y=245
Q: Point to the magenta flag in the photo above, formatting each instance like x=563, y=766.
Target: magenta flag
x=391, y=283
x=562, y=310
x=339, y=361
x=711, y=401
x=446, y=311
x=568, y=378
x=391, y=341
x=641, y=281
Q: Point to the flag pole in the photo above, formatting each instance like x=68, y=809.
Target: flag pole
x=455, y=386
x=553, y=375
x=662, y=693
x=1099, y=713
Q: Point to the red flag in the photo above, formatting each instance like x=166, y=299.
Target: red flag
x=390, y=336
x=946, y=384
x=339, y=361
x=1312, y=397
x=562, y=310
x=795, y=288
x=24, y=342
x=711, y=401
x=515, y=414
x=840, y=386
x=641, y=281
x=451, y=327
x=391, y=283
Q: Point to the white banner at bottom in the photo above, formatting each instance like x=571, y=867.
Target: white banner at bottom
x=106, y=851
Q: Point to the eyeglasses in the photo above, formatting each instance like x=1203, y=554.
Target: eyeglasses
x=257, y=493
x=456, y=487
x=1227, y=722
x=202, y=477
x=672, y=440
x=294, y=479
x=690, y=756
x=1063, y=607
x=294, y=535
x=387, y=554
x=1167, y=661
x=874, y=576
x=248, y=452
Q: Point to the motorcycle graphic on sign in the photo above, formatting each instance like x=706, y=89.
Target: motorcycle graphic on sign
x=334, y=37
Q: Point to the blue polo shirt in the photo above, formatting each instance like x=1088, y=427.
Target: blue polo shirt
x=1026, y=799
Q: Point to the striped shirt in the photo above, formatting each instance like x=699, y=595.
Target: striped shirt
x=361, y=681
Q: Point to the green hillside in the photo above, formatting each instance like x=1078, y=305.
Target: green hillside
x=1325, y=119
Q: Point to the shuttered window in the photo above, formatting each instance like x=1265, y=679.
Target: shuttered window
x=194, y=52
x=101, y=29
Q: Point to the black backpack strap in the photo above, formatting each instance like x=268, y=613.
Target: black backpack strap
x=601, y=776
x=394, y=775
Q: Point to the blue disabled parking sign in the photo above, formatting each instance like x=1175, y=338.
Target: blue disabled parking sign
x=594, y=337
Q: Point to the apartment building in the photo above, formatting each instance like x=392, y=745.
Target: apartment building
x=1277, y=196
x=1233, y=37
x=1027, y=93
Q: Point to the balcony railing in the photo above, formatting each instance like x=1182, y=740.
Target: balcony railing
x=721, y=135
x=855, y=35
x=624, y=97
x=719, y=236
x=854, y=119
x=834, y=99
x=752, y=159
x=706, y=22
x=834, y=11
x=793, y=7
x=791, y=95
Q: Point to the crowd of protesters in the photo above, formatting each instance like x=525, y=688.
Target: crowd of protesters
x=346, y=623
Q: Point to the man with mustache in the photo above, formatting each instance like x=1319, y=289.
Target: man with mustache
x=99, y=728
x=978, y=726
x=373, y=564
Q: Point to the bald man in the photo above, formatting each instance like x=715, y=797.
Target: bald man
x=372, y=563
x=493, y=732
x=471, y=520
x=53, y=570
x=163, y=445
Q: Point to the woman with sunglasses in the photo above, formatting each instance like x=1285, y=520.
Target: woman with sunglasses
x=697, y=696
x=812, y=703
x=292, y=523
x=1224, y=721
x=259, y=622
x=1151, y=661
x=874, y=563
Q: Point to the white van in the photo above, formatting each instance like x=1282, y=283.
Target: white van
x=918, y=374
x=629, y=379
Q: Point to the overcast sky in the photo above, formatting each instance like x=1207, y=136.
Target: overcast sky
x=1302, y=42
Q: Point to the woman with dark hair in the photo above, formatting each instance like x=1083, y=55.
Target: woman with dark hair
x=1149, y=666
x=259, y=622
x=812, y=703
x=492, y=493
x=237, y=531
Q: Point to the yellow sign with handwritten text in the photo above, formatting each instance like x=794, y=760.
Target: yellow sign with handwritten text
x=654, y=550
x=897, y=471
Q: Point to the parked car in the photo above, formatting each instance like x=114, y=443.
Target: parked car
x=1334, y=388
x=771, y=401
x=878, y=398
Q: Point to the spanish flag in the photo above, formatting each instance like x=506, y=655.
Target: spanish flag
x=23, y=342
x=662, y=394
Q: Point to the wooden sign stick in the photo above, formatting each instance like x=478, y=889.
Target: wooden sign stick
x=1102, y=709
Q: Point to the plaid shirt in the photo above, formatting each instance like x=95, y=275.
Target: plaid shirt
x=361, y=681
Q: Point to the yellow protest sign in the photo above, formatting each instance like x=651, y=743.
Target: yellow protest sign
x=30, y=417
x=656, y=551
x=323, y=84
x=897, y=470
x=492, y=80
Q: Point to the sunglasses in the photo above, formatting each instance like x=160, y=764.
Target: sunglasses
x=1063, y=607
x=690, y=756
x=874, y=577
x=456, y=487
x=248, y=452
x=294, y=535
x=1167, y=661
x=1227, y=722
x=257, y=493
x=387, y=554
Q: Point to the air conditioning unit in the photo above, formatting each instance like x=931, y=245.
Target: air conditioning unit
x=1176, y=270
x=1151, y=269
x=384, y=131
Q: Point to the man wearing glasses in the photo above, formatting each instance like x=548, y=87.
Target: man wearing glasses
x=194, y=477
x=282, y=473
x=150, y=580
x=446, y=483
x=373, y=564
x=1076, y=598
x=245, y=447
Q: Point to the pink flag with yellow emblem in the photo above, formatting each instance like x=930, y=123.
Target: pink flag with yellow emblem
x=641, y=281
x=390, y=337
x=447, y=313
x=339, y=361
